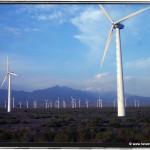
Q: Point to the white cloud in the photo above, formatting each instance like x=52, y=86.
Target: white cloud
x=91, y=32
x=10, y=30
x=142, y=63
x=101, y=82
x=55, y=16
x=107, y=82
x=101, y=76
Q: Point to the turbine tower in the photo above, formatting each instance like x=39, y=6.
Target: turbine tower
x=99, y=102
x=13, y=103
x=135, y=102
x=57, y=103
x=34, y=104
x=20, y=104
x=8, y=74
x=73, y=101
x=5, y=104
x=46, y=104
x=79, y=103
x=114, y=103
x=51, y=104
x=64, y=104
x=87, y=103
x=27, y=105
x=120, y=86
x=138, y=103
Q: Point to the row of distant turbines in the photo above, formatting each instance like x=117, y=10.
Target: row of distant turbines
x=120, y=85
x=74, y=104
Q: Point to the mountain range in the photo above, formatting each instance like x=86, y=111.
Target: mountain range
x=65, y=93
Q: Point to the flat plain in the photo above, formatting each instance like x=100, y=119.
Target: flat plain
x=80, y=125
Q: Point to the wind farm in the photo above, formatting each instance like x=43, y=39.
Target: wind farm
x=57, y=92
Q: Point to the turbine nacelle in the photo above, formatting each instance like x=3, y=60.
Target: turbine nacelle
x=12, y=73
x=118, y=25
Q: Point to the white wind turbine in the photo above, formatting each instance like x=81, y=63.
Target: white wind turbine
x=73, y=101
x=87, y=103
x=97, y=103
x=79, y=103
x=64, y=104
x=135, y=102
x=138, y=103
x=101, y=103
x=46, y=105
x=34, y=104
x=114, y=103
x=51, y=105
x=27, y=104
x=13, y=103
x=20, y=104
x=57, y=103
x=120, y=86
x=8, y=74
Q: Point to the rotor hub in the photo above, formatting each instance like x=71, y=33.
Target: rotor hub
x=118, y=25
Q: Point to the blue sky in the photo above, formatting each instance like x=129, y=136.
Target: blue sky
x=62, y=44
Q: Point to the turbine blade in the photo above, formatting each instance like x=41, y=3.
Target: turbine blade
x=4, y=80
x=105, y=13
x=107, y=44
x=131, y=15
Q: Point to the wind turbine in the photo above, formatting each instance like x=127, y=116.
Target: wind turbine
x=8, y=74
x=97, y=103
x=27, y=104
x=57, y=103
x=79, y=103
x=75, y=104
x=46, y=104
x=101, y=103
x=35, y=104
x=73, y=101
x=87, y=103
x=134, y=102
x=64, y=104
x=13, y=103
x=117, y=26
x=114, y=103
x=138, y=103
x=51, y=104
x=20, y=104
